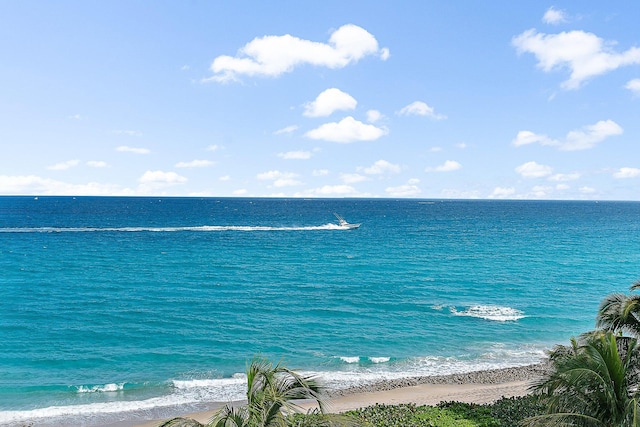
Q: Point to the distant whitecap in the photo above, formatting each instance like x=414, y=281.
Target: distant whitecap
x=379, y=359
x=490, y=312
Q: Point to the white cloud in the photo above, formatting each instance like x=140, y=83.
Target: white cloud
x=562, y=187
x=75, y=117
x=554, y=16
x=373, y=116
x=447, y=166
x=128, y=132
x=295, y=155
x=534, y=170
x=410, y=189
x=587, y=190
x=591, y=135
x=627, y=173
x=581, y=139
x=633, y=86
x=194, y=164
x=62, y=166
x=329, y=191
x=280, y=179
x=240, y=192
x=541, y=191
x=584, y=54
x=450, y=193
x=270, y=175
x=346, y=130
x=328, y=101
x=461, y=145
x=435, y=149
x=126, y=149
x=419, y=108
x=224, y=178
x=32, y=184
x=272, y=56
x=525, y=137
x=285, y=130
x=502, y=192
x=382, y=166
x=97, y=164
x=286, y=182
x=213, y=147
x=565, y=177
x=352, y=178
x=320, y=172
x=161, y=177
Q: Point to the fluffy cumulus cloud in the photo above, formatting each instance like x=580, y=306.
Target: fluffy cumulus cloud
x=447, y=166
x=419, y=108
x=279, y=179
x=272, y=56
x=135, y=150
x=584, y=54
x=381, y=167
x=32, y=184
x=329, y=101
x=410, y=189
x=633, y=86
x=352, y=178
x=194, y=164
x=563, y=177
x=62, y=166
x=580, y=139
x=534, y=170
x=161, y=178
x=502, y=193
x=343, y=190
x=346, y=130
x=373, y=116
x=627, y=173
x=295, y=155
x=554, y=16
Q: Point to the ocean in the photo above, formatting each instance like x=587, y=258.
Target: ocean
x=117, y=308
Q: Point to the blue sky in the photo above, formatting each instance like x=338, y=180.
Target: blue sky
x=422, y=99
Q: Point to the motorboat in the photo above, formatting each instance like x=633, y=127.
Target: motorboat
x=344, y=224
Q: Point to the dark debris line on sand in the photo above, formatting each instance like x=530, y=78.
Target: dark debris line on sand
x=492, y=376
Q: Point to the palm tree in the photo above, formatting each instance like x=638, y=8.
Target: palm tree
x=621, y=313
x=593, y=382
x=270, y=392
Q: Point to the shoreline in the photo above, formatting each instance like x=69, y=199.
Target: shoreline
x=472, y=387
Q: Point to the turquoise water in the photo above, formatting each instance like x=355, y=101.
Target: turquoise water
x=125, y=308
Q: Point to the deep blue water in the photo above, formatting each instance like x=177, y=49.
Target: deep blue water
x=111, y=305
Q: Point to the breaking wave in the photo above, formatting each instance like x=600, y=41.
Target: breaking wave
x=490, y=312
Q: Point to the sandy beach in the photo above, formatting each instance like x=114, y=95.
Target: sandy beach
x=474, y=387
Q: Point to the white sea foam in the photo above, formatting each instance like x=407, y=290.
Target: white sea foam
x=490, y=312
x=350, y=359
x=379, y=359
x=188, y=393
x=101, y=388
x=203, y=228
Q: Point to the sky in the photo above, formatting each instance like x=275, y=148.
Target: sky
x=412, y=99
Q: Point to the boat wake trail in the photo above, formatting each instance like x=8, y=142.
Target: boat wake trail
x=203, y=228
